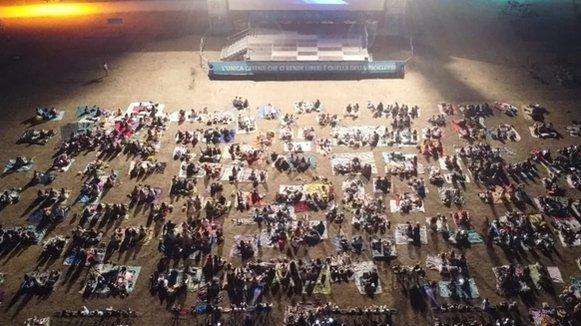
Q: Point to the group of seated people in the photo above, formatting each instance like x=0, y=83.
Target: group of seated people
x=239, y=103
x=544, y=130
x=292, y=162
x=308, y=107
x=393, y=110
x=451, y=195
x=182, y=186
x=10, y=196
x=109, y=212
x=46, y=114
x=13, y=237
x=38, y=137
x=516, y=233
x=145, y=167
x=351, y=111
x=218, y=135
x=190, y=239
x=438, y=120
x=53, y=248
x=188, y=137
x=370, y=216
x=249, y=155
x=246, y=123
x=123, y=239
x=39, y=284
x=143, y=194
x=327, y=119
x=503, y=133
x=354, y=166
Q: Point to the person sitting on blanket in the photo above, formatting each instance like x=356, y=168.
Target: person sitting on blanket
x=216, y=207
x=11, y=238
x=182, y=186
x=53, y=248
x=42, y=284
x=544, y=130
x=246, y=123
x=335, y=215
x=370, y=281
x=246, y=250
x=438, y=120
x=10, y=197
x=187, y=137
x=408, y=202
x=160, y=211
x=211, y=154
x=504, y=132
x=447, y=108
x=325, y=119
x=435, y=176
x=451, y=195
x=265, y=138
x=352, y=111
x=239, y=103
x=309, y=133
x=289, y=119
x=42, y=177
x=21, y=161
x=418, y=186
x=461, y=218
x=551, y=185
x=46, y=113
x=486, y=196
x=383, y=184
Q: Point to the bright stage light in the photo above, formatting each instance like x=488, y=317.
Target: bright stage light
x=46, y=10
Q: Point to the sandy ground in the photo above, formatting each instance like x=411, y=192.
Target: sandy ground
x=464, y=52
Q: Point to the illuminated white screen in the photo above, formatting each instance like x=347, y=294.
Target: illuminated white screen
x=350, y=5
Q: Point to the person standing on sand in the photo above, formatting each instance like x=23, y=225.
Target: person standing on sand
x=106, y=69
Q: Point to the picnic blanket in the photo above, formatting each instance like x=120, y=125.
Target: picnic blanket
x=246, y=124
x=434, y=262
x=243, y=174
x=249, y=239
x=128, y=279
x=402, y=161
x=184, y=170
x=555, y=274
x=382, y=253
x=336, y=240
x=364, y=158
x=192, y=277
x=361, y=133
x=468, y=290
x=474, y=237
x=323, y=283
x=359, y=269
x=9, y=167
x=401, y=238
x=395, y=208
x=268, y=112
x=144, y=109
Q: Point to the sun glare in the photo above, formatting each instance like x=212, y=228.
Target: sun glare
x=46, y=10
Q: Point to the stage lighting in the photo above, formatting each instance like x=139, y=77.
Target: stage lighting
x=46, y=10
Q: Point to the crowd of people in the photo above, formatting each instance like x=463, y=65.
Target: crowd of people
x=290, y=222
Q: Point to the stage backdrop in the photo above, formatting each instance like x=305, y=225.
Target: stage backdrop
x=351, y=5
x=349, y=69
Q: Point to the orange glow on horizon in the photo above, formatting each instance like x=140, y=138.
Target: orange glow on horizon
x=47, y=10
